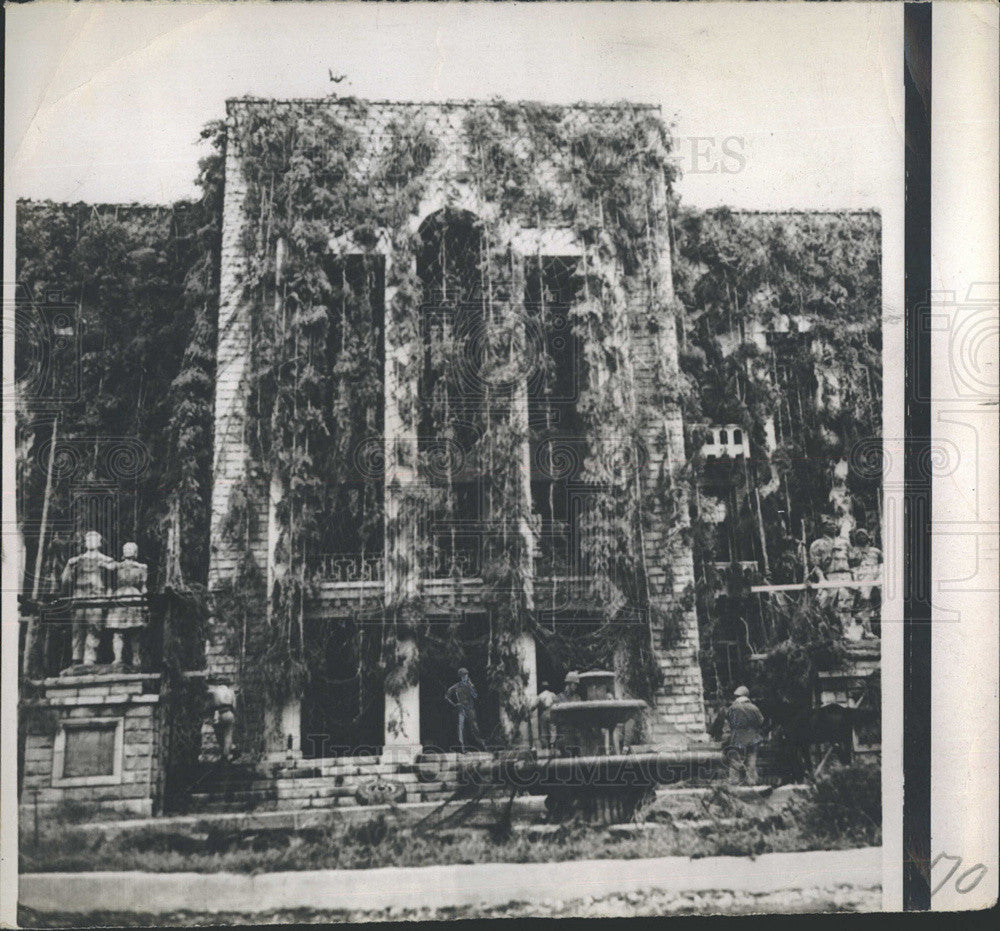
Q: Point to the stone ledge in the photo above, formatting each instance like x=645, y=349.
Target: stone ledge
x=69, y=701
x=95, y=679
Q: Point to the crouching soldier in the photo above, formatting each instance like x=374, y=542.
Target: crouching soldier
x=746, y=731
x=222, y=705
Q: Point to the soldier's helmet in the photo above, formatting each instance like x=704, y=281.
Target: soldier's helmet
x=741, y=692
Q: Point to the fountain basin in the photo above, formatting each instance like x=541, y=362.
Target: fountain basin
x=604, y=789
x=592, y=724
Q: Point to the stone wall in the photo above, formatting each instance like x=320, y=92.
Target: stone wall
x=232, y=469
x=56, y=775
x=680, y=705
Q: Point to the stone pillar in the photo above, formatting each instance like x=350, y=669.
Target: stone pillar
x=401, y=457
x=402, y=572
x=679, y=710
x=519, y=421
x=529, y=665
x=402, y=711
x=232, y=467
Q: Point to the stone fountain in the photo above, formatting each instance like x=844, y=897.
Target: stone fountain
x=596, y=778
x=593, y=724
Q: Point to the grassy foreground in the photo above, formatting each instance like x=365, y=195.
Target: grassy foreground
x=844, y=811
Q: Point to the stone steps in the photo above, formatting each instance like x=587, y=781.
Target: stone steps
x=329, y=783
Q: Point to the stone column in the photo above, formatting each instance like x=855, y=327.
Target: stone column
x=284, y=719
x=402, y=700
x=529, y=665
x=232, y=468
x=519, y=420
x=679, y=707
x=402, y=711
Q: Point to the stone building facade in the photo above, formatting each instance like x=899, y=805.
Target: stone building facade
x=679, y=710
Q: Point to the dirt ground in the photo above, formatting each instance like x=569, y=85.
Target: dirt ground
x=634, y=904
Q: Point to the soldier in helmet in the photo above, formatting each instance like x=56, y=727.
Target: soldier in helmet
x=462, y=695
x=222, y=706
x=746, y=731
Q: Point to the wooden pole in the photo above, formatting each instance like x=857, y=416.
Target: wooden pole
x=45, y=511
x=801, y=587
x=31, y=635
x=823, y=762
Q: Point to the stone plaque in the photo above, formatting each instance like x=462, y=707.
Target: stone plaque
x=90, y=751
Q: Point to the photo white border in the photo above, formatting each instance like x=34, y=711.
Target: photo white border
x=965, y=281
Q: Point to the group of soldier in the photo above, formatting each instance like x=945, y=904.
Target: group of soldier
x=462, y=697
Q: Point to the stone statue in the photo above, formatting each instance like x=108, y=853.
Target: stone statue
x=84, y=577
x=866, y=558
x=821, y=550
x=127, y=621
x=830, y=559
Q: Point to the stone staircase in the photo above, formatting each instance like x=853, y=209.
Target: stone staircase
x=336, y=782
x=298, y=784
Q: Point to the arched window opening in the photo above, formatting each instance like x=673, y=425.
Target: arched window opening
x=353, y=531
x=557, y=429
x=455, y=285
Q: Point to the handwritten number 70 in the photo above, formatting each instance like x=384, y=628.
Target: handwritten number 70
x=965, y=882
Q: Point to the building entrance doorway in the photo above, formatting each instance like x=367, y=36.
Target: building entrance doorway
x=343, y=707
x=448, y=645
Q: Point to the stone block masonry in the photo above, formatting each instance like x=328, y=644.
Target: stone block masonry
x=92, y=746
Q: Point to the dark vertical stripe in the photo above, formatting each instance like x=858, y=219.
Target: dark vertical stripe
x=917, y=487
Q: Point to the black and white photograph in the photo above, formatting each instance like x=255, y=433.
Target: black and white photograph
x=456, y=458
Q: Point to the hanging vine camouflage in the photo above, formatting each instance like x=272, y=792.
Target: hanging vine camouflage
x=305, y=188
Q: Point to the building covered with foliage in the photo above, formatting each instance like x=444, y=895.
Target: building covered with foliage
x=421, y=386
x=781, y=341
x=448, y=423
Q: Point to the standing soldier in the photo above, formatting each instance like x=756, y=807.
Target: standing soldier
x=462, y=695
x=544, y=701
x=746, y=731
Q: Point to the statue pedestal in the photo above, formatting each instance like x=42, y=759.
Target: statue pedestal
x=92, y=742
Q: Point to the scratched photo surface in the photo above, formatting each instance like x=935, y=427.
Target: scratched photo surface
x=460, y=443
